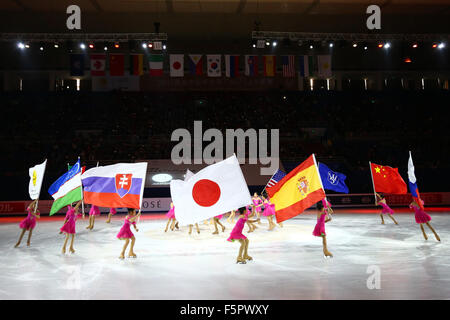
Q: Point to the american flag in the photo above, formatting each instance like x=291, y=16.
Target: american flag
x=288, y=66
x=275, y=178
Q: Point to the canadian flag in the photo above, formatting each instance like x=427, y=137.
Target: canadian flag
x=214, y=190
x=98, y=63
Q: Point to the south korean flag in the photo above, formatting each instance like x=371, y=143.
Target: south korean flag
x=214, y=65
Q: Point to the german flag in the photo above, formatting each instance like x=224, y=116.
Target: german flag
x=136, y=64
x=297, y=191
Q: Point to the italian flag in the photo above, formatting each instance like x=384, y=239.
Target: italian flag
x=156, y=64
x=67, y=189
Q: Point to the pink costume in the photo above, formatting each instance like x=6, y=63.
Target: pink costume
x=269, y=209
x=257, y=202
x=95, y=211
x=420, y=215
x=171, y=213
x=220, y=216
x=69, y=226
x=236, y=233
x=125, y=231
x=29, y=222
x=112, y=211
x=319, y=230
x=386, y=208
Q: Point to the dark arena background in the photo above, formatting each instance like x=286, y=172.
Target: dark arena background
x=353, y=82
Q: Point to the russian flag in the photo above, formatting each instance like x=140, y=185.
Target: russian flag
x=195, y=64
x=232, y=66
x=413, y=183
x=119, y=185
x=251, y=65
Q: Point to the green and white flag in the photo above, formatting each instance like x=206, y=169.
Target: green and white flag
x=156, y=64
x=67, y=189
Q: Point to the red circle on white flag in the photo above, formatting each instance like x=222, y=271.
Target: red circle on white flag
x=176, y=65
x=206, y=192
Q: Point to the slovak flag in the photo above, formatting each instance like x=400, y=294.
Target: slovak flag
x=214, y=68
x=98, y=63
x=251, y=65
x=119, y=185
x=413, y=182
x=195, y=64
x=212, y=191
x=231, y=66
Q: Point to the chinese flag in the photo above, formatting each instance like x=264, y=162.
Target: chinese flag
x=116, y=64
x=387, y=179
x=297, y=191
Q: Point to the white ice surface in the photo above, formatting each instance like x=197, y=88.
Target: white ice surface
x=288, y=262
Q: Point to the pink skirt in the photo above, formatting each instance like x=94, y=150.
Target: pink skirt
x=269, y=210
x=69, y=227
x=422, y=217
x=171, y=214
x=112, y=211
x=125, y=232
x=219, y=216
x=27, y=223
x=319, y=230
x=387, y=210
x=95, y=211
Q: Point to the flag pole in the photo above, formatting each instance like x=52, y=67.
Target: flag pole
x=373, y=184
x=268, y=182
x=320, y=177
x=318, y=173
x=82, y=198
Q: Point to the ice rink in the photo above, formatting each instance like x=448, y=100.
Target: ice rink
x=288, y=262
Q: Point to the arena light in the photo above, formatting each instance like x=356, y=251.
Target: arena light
x=387, y=45
x=91, y=45
x=164, y=47
x=365, y=47
x=434, y=45
x=274, y=44
x=82, y=46
x=56, y=45
x=162, y=178
x=254, y=45
x=354, y=45
x=331, y=44
x=105, y=48
x=267, y=43
x=441, y=45
x=380, y=45
x=27, y=46
x=407, y=60
x=144, y=45
x=311, y=46
x=41, y=48
x=414, y=45
x=20, y=45
x=150, y=45
x=116, y=45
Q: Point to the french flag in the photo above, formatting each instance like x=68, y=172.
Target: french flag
x=251, y=65
x=195, y=64
x=413, y=182
x=232, y=66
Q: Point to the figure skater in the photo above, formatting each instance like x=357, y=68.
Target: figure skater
x=217, y=221
x=231, y=216
x=126, y=234
x=258, y=203
x=236, y=234
x=319, y=230
x=422, y=217
x=28, y=223
x=93, y=212
x=269, y=212
x=112, y=211
x=171, y=216
x=386, y=209
x=250, y=211
x=196, y=226
x=69, y=225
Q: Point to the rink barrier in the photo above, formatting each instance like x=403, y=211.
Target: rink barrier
x=163, y=204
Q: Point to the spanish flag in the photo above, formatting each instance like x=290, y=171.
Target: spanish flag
x=136, y=64
x=297, y=191
x=270, y=66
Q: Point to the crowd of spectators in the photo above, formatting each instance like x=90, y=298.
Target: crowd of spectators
x=346, y=128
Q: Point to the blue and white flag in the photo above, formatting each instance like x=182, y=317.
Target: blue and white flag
x=332, y=180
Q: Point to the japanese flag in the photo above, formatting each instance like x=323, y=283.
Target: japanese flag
x=177, y=65
x=214, y=190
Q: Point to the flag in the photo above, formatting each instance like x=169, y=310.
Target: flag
x=195, y=64
x=67, y=189
x=77, y=64
x=116, y=64
x=156, y=64
x=297, y=191
x=251, y=65
x=287, y=62
x=36, y=176
x=231, y=66
x=98, y=63
x=214, y=62
x=270, y=66
x=324, y=64
x=214, y=190
x=176, y=65
x=413, y=182
x=332, y=180
x=312, y=65
x=188, y=175
x=275, y=178
x=387, y=179
x=119, y=185
x=304, y=66
x=136, y=64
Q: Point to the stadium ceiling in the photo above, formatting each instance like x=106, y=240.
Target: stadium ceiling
x=233, y=18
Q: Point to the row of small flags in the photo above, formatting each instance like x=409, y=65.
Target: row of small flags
x=307, y=65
